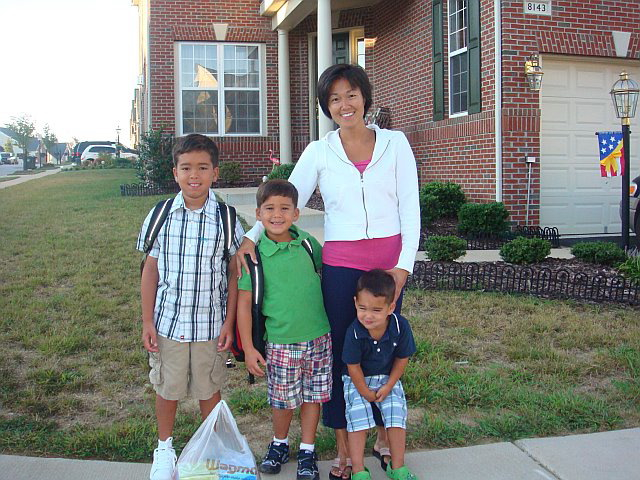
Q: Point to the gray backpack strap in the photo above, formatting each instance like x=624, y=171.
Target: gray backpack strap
x=158, y=217
x=308, y=246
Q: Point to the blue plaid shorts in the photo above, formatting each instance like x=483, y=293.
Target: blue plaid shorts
x=358, y=409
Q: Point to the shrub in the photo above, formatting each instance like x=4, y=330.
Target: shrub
x=483, y=219
x=281, y=171
x=523, y=250
x=602, y=253
x=440, y=199
x=631, y=269
x=445, y=248
x=230, y=172
x=155, y=163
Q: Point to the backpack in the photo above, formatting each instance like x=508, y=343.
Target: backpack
x=258, y=328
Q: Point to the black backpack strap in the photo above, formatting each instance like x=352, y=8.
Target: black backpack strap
x=308, y=246
x=158, y=217
x=228, y=219
x=258, y=328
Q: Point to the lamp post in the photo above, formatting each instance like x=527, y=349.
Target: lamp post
x=624, y=95
x=118, y=141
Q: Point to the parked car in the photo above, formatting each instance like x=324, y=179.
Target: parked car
x=93, y=151
x=634, y=211
x=5, y=158
x=14, y=160
x=80, y=147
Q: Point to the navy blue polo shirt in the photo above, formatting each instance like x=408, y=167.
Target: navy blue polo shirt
x=376, y=356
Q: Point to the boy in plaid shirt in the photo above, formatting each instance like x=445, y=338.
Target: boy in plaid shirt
x=188, y=302
x=377, y=347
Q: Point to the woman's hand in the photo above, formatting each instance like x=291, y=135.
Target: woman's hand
x=246, y=247
x=400, y=276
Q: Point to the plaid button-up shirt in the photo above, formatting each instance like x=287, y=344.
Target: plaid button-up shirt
x=191, y=299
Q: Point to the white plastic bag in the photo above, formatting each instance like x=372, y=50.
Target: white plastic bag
x=217, y=451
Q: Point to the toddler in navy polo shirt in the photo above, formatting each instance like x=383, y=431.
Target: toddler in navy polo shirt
x=377, y=348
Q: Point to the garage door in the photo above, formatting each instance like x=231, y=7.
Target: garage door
x=575, y=104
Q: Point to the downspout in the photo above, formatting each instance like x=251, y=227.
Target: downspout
x=147, y=82
x=497, y=22
x=325, y=56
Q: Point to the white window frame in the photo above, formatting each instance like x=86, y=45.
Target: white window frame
x=221, y=89
x=456, y=53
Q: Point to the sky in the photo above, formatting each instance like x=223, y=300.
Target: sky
x=71, y=64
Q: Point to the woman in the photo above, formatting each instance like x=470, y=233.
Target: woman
x=368, y=181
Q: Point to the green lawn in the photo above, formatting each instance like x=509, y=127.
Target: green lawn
x=73, y=375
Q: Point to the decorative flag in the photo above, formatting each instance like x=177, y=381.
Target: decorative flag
x=610, y=144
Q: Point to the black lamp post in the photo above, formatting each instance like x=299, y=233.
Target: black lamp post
x=624, y=94
x=118, y=141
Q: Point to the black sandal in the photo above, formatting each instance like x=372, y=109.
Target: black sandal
x=380, y=454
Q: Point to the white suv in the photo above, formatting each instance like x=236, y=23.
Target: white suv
x=92, y=151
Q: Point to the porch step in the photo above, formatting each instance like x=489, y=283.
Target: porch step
x=238, y=196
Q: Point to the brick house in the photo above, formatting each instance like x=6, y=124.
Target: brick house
x=450, y=71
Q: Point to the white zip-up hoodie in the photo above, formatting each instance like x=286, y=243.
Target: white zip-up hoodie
x=381, y=202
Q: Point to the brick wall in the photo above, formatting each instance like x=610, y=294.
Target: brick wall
x=189, y=20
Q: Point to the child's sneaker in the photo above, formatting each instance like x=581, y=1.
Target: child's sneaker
x=402, y=473
x=307, y=465
x=276, y=455
x=164, y=462
x=363, y=475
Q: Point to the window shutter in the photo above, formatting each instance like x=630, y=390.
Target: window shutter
x=438, y=60
x=474, y=56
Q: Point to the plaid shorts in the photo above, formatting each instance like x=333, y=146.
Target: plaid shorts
x=358, y=409
x=299, y=373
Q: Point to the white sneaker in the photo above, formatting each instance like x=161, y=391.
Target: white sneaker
x=164, y=462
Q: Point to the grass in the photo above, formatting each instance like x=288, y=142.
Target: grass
x=73, y=374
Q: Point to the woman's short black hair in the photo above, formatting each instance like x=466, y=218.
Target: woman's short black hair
x=195, y=143
x=354, y=74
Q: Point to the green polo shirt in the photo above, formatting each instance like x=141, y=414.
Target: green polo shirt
x=292, y=302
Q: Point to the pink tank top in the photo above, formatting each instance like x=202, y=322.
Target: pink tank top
x=365, y=254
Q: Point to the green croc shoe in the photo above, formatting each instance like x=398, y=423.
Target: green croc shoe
x=363, y=475
x=402, y=473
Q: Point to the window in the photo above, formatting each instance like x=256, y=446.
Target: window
x=458, y=60
x=463, y=40
x=220, y=89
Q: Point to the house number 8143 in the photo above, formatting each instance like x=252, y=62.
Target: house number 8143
x=541, y=7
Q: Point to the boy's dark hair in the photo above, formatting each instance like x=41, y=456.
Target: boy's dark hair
x=195, y=143
x=378, y=283
x=354, y=74
x=276, y=187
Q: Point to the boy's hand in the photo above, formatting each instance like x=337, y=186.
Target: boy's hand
x=246, y=247
x=226, y=337
x=253, y=359
x=149, y=337
x=382, y=392
x=369, y=395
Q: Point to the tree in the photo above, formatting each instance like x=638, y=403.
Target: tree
x=8, y=146
x=23, y=129
x=49, y=139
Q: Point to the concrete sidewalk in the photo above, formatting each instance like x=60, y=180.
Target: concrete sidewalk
x=22, y=179
x=597, y=456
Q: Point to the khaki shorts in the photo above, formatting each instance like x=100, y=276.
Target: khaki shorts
x=181, y=368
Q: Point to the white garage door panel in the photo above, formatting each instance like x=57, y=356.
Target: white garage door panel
x=575, y=103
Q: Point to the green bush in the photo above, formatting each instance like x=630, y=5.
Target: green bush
x=631, y=269
x=155, y=163
x=602, y=253
x=483, y=219
x=445, y=248
x=439, y=200
x=281, y=171
x=523, y=250
x=230, y=172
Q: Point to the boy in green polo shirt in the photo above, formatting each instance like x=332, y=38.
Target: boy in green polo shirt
x=298, y=350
